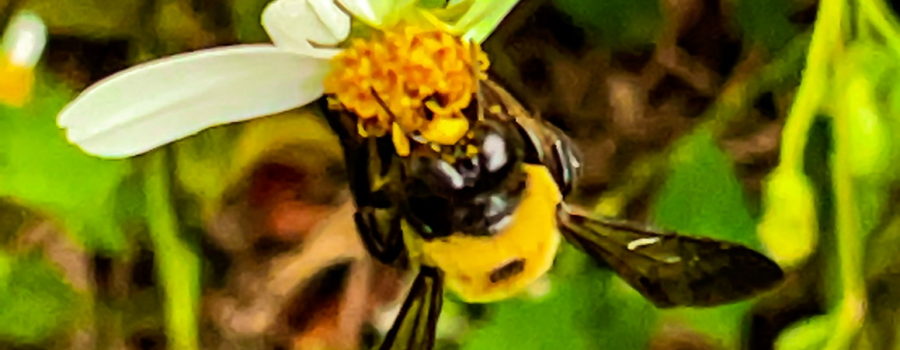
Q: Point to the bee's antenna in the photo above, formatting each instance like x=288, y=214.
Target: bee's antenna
x=479, y=97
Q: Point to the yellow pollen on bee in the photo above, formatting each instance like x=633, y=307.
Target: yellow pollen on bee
x=401, y=142
x=411, y=79
x=471, y=150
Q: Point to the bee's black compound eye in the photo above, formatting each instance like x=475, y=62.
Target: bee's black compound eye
x=500, y=146
x=436, y=175
x=447, y=175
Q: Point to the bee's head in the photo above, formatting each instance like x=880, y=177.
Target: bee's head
x=471, y=187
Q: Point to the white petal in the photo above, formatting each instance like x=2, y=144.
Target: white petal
x=295, y=24
x=161, y=101
x=374, y=12
x=361, y=9
x=337, y=21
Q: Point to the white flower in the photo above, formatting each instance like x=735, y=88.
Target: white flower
x=161, y=101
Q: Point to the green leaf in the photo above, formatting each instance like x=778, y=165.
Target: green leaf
x=723, y=323
x=41, y=170
x=616, y=23
x=246, y=17
x=431, y=4
x=702, y=196
x=587, y=310
x=34, y=301
x=766, y=21
x=91, y=18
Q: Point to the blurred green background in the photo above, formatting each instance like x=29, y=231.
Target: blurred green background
x=766, y=122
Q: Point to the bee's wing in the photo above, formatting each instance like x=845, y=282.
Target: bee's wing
x=415, y=325
x=669, y=269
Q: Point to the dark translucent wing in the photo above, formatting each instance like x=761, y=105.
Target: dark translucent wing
x=544, y=143
x=415, y=325
x=669, y=269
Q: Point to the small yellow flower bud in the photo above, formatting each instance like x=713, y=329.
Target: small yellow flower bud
x=807, y=334
x=789, y=228
x=868, y=134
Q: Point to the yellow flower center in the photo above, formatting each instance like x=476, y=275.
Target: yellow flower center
x=409, y=79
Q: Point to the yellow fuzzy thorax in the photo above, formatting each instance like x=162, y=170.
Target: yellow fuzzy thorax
x=409, y=79
x=532, y=237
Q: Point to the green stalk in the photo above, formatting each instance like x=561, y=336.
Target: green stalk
x=878, y=15
x=177, y=264
x=827, y=43
x=852, y=303
x=826, y=38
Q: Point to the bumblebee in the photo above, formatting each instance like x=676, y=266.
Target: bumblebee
x=484, y=217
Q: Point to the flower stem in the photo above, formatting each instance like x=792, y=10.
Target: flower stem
x=851, y=307
x=177, y=265
x=827, y=41
x=826, y=38
x=878, y=15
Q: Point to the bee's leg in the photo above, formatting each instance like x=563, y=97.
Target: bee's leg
x=414, y=328
x=377, y=220
x=374, y=184
x=380, y=232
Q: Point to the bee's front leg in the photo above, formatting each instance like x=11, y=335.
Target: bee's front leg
x=372, y=174
x=375, y=181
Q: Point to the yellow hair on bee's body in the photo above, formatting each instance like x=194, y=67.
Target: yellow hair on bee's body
x=532, y=236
